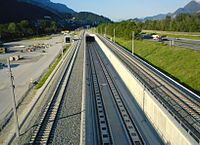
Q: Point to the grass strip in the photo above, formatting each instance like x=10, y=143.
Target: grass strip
x=48, y=73
x=183, y=65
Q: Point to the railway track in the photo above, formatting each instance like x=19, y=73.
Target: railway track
x=104, y=131
x=42, y=134
x=181, y=103
x=133, y=135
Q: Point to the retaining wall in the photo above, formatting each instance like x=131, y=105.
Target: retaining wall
x=165, y=124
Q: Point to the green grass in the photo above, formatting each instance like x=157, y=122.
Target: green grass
x=187, y=35
x=179, y=63
x=48, y=73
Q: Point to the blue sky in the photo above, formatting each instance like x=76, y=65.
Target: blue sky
x=124, y=9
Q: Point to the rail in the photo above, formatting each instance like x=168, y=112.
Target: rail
x=184, y=108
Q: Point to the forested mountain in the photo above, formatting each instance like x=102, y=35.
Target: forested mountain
x=13, y=11
x=17, y=10
x=191, y=8
x=74, y=18
x=156, y=17
x=23, y=19
x=87, y=18
x=53, y=7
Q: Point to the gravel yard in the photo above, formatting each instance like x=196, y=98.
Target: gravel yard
x=28, y=69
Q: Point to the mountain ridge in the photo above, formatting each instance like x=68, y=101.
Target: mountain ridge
x=51, y=6
x=190, y=8
x=18, y=11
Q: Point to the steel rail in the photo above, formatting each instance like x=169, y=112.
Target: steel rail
x=135, y=137
x=103, y=126
x=182, y=100
x=43, y=131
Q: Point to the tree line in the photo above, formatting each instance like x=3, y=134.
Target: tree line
x=122, y=29
x=25, y=28
x=181, y=23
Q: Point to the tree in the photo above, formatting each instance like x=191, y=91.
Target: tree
x=182, y=22
x=123, y=29
x=53, y=26
x=24, y=24
x=43, y=25
x=1, y=30
x=12, y=27
x=24, y=27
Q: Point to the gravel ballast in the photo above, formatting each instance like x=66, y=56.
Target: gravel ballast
x=67, y=128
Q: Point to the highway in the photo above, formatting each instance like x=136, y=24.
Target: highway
x=179, y=42
x=183, y=104
x=185, y=43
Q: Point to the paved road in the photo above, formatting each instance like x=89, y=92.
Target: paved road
x=185, y=43
x=31, y=67
x=180, y=42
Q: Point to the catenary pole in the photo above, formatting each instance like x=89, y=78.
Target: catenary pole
x=13, y=99
x=133, y=37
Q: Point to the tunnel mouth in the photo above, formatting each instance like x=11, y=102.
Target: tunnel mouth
x=90, y=39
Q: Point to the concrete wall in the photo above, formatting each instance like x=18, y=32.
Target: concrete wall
x=165, y=124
